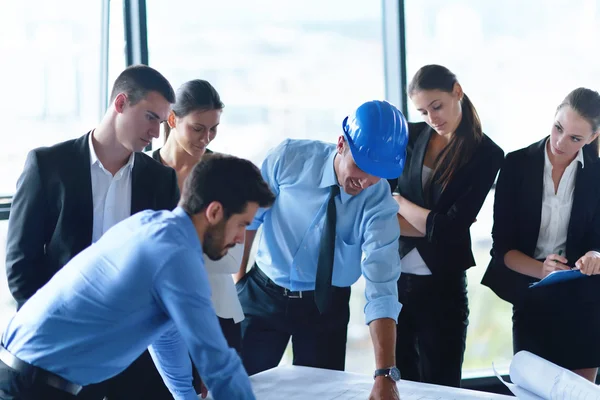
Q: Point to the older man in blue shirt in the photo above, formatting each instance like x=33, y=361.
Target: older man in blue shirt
x=317, y=240
x=143, y=284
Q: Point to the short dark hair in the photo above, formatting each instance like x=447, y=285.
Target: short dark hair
x=232, y=181
x=137, y=81
x=194, y=95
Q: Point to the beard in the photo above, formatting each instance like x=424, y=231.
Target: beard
x=214, y=242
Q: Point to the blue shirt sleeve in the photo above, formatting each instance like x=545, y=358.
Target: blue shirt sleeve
x=381, y=259
x=173, y=363
x=271, y=170
x=183, y=290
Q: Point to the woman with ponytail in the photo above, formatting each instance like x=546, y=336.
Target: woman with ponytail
x=450, y=168
x=190, y=127
x=546, y=219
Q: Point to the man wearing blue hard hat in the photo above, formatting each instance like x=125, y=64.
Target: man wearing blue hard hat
x=333, y=219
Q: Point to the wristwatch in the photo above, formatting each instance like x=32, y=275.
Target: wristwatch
x=393, y=373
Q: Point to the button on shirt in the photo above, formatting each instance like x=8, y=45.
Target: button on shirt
x=300, y=173
x=142, y=284
x=111, y=195
x=556, y=209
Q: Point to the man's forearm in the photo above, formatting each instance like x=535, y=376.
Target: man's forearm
x=248, y=241
x=383, y=335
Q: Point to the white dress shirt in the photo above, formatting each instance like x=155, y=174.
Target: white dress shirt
x=413, y=263
x=111, y=194
x=224, y=294
x=556, y=209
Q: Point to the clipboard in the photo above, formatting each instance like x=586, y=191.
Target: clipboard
x=557, y=277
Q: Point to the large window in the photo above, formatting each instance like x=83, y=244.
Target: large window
x=49, y=75
x=283, y=69
x=116, y=44
x=516, y=60
x=296, y=69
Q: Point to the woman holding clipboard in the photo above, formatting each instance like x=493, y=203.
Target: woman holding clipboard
x=546, y=219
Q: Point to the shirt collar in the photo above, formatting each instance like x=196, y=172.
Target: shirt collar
x=578, y=157
x=188, y=226
x=329, y=178
x=94, y=157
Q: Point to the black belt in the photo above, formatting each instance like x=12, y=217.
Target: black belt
x=291, y=294
x=41, y=375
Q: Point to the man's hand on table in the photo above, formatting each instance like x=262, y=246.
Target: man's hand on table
x=384, y=389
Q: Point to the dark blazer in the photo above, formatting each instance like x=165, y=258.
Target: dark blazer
x=51, y=218
x=446, y=247
x=517, y=218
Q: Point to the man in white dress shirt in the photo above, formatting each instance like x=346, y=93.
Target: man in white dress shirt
x=71, y=193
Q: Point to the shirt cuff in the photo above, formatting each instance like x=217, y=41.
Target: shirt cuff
x=382, y=307
x=187, y=396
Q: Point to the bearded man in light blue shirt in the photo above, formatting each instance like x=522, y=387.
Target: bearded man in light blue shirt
x=142, y=285
x=333, y=219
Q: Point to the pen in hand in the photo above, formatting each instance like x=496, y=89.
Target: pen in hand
x=560, y=253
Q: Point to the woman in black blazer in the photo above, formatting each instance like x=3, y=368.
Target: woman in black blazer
x=547, y=218
x=450, y=168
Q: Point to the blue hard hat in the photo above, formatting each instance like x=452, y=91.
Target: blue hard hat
x=377, y=134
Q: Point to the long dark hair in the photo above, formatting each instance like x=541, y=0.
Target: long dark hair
x=195, y=95
x=586, y=103
x=468, y=134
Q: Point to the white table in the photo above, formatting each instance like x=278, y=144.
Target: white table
x=303, y=383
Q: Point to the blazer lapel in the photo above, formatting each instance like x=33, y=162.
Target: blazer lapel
x=140, y=199
x=416, y=168
x=533, y=188
x=82, y=183
x=583, y=179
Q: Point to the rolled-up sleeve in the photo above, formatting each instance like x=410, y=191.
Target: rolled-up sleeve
x=270, y=170
x=381, y=260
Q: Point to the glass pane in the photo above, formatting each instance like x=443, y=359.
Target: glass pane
x=116, y=43
x=50, y=76
x=283, y=69
x=516, y=60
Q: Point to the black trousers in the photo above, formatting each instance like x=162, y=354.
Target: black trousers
x=139, y=381
x=232, y=333
x=272, y=318
x=24, y=386
x=432, y=328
